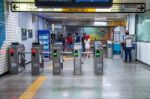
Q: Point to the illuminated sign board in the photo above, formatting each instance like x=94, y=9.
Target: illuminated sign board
x=116, y=8
x=73, y=3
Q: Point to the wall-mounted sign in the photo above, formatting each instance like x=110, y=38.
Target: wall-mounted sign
x=30, y=33
x=116, y=8
x=73, y=3
x=23, y=34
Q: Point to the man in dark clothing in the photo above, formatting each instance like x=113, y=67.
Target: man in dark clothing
x=62, y=40
x=128, y=47
x=77, y=38
x=83, y=44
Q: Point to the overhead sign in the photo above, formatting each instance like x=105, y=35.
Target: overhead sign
x=116, y=8
x=73, y=3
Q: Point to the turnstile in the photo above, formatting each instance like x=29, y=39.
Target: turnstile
x=98, y=58
x=57, y=58
x=37, y=63
x=77, y=58
x=16, y=58
x=109, y=49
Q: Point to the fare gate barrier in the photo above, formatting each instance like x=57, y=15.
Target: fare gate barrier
x=37, y=63
x=109, y=49
x=57, y=58
x=16, y=58
x=98, y=58
x=77, y=50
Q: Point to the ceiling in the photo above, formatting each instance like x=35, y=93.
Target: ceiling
x=61, y=17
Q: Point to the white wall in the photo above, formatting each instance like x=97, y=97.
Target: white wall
x=14, y=22
x=143, y=53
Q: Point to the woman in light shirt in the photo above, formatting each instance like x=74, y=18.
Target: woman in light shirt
x=87, y=46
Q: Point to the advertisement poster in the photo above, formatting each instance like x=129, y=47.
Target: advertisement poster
x=97, y=33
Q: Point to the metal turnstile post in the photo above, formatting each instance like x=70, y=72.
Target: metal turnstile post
x=109, y=49
x=16, y=58
x=77, y=58
x=37, y=63
x=98, y=58
x=57, y=58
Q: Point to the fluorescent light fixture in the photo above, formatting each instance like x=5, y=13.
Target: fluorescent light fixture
x=65, y=94
x=59, y=17
x=100, y=23
x=147, y=20
x=103, y=10
x=96, y=19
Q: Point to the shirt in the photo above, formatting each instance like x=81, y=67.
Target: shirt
x=69, y=40
x=128, y=41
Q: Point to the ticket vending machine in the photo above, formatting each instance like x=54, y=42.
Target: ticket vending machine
x=37, y=63
x=98, y=58
x=77, y=51
x=57, y=58
x=16, y=58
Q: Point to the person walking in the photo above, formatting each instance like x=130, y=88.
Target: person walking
x=62, y=40
x=69, y=42
x=77, y=38
x=87, y=46
x=83, y=43
x=128, y=47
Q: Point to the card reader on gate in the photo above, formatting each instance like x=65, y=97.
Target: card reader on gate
x=33, y=52
x=55, y=53
x=76, y=53
x=98, y=53
x=11, y=52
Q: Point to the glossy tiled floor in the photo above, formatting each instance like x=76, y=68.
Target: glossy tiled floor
x=120, y=81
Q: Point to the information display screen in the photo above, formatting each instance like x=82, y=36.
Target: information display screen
x=73, y=3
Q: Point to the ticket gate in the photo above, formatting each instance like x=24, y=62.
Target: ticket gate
x=77, y=51
x=37, y=63
x=98, y=58
x=109, y=49
x=57, y=58
x=16, y=58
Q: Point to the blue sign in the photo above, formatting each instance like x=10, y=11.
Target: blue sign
x=73, y=3
x=2, y=24
x=102, y=1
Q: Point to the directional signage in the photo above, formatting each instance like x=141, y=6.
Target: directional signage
x=15, y=7
x=116, y=8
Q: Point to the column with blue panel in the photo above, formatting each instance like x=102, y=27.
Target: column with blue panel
x=44, y=39
x=2, y=23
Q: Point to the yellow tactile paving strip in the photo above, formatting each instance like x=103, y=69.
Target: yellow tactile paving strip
x=68, y=58
x=33, y=88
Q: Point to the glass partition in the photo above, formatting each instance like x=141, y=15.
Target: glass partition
x=143, y=27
